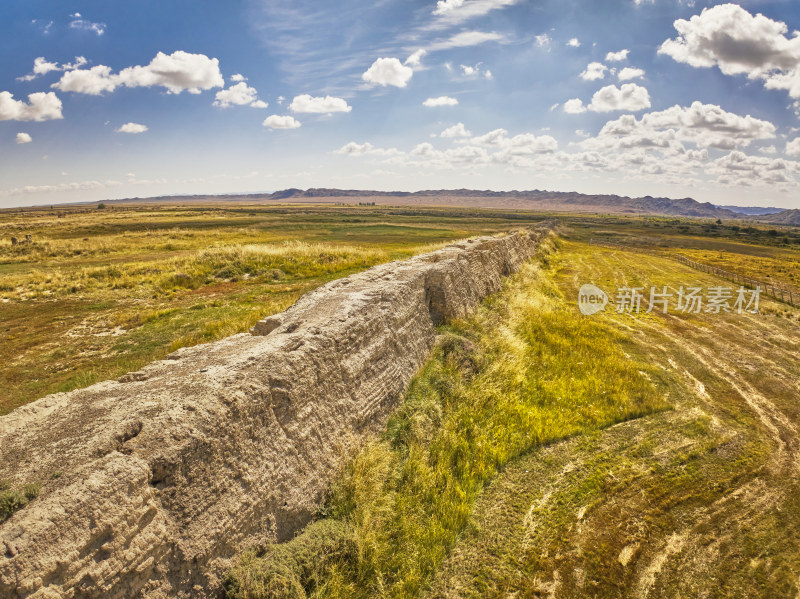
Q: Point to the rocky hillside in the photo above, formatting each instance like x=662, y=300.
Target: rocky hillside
x=787, y=217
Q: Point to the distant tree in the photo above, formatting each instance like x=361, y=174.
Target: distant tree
x=101, y=206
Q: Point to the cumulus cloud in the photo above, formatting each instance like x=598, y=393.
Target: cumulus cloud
x=706, y=125
x=574, y=43
x=177, y=72
x=629, y=73
x=793, y=147
x=617, y=56
x=41, y=106
x=132, y=128
x=239, y=94
x=457, y=130
x=629, y=96
x=275, y=121
x=440, y=101
x=23, y=138
x=594, y=71
x=320, y=105
x=445, y=6
x=738, y=43
x=42, y=66
x=742, y=170
x=388, y=71
x=236, y=78
x=93, y=81
x=574, y=106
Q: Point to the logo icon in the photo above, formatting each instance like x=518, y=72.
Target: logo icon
x=591, y=300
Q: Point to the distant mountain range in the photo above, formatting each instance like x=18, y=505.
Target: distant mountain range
x=551, y=200
x=753, y=210
x=555, y=201
x=785, y=217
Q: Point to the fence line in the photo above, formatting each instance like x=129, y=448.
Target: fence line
x=782, y=295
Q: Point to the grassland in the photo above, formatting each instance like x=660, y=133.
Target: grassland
x=101, y=292
x=539, y=452
x=542, y=453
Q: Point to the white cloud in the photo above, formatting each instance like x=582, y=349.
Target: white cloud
x=440, y=101
x=415, y=59
x=740, y=169
x=729, y=37
x=629, y=73
x=457, y=130
x=445, y=6
x=542, y=41
x=42, y=66
x=320, y=105
x=574, y=43
x=453, y=12
x=85, y=25
x=488, y=74
x=594, y=71
x=275, y=121
x=239, y=94
x=388, y=71
x=793, y=147
x=356, y=149
x=629, y=96
x=41, y=106
x=466, y=39
x=706, y=125
x=617, y=56
x=23, y=138
x=132, y=128
x=574, y=106
x=238, y=77
x=93, y=81
x=177, y=72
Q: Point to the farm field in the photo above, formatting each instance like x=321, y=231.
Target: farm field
x=545, y=453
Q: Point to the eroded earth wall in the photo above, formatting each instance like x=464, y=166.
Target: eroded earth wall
x=153, y=482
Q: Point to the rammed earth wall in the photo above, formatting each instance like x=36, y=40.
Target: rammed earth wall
x=170, y=471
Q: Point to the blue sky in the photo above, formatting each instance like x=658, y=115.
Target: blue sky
x=662, y=97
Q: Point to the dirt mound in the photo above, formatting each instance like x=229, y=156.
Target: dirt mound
x=153, y=482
